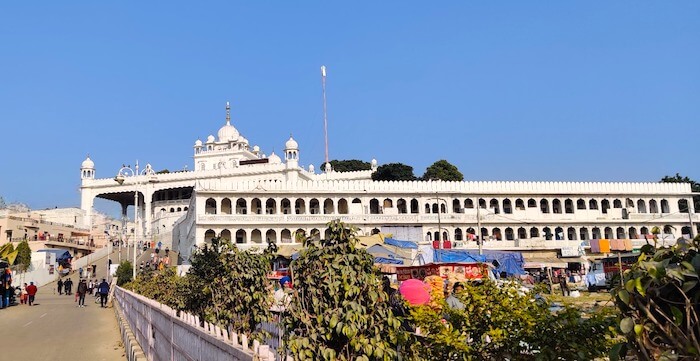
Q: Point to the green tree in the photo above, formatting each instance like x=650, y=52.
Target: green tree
x=124, y=273
x=349, y=165
x=394, y=172
x=339, y=310
x=24, y=256
x=443, y=170
x=163, y=286
x=658, y=299
x=694, y=186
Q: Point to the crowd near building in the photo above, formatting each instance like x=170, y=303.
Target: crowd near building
x=237, y=191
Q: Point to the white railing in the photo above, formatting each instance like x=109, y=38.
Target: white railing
x=165, y=334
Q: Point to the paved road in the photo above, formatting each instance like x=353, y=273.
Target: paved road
x=56, y=329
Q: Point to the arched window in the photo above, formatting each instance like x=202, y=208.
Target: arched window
x=427, y=208
x=401, y=206
x=617, y=203
x=559, y=233
x=685, y=231
x=328, y=206
x=299, y=236
x=497, y=234
x=179, y=209
x=435, y=207
x=507, y=206
x=374, y=206
x=580, y=204
x=271, y=236
x=241, y=236
x=595, y=233
x=343, y=206
x=522, y=233
x=641, y=206
x=286, y=205
x=644, y=231
x=315, y=234
x=428, y=237
x=531, y=203
x=226, y=235
x=172, y=210
x=256, y=236
x=609, y=233
x=668, y=229
x=226, y=206
x=241, y=206
x=632, y=233
x=458, y=235
x=604, y=205
x=519, y=204
x=620, y=233
x=584, y=234
x=493, y=204
x=509, y=234
x=256, y=206
x=456, y=206
x=185, y=209
x=593, y=204
x=436, y=236
x=629, y=203
x=210, y=206
x=534, y=232
x=556, y=206
x=482, y=203
x=209, y=235
x=388, y=203
x=664, y=206
x=314, y=206
x=468, y=203
x=286, y=236
x=270, y=206
x=414, y=206
x=484, y=233
x=571, y=234
x=300, y=206
x=568, y=206
x=653, y=208
x=547, y=233
x=443, y=208
x=544, y=206
x=683, y=205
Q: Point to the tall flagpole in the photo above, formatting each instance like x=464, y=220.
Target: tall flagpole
x=325, y=118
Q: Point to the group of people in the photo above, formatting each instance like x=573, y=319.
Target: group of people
x=9, y=293
x=90, y=270
x=157, y=262
x=85, y=288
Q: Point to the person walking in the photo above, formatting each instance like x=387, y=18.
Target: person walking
x=104, y=291
x=564, y=286
x=80, y=272
x=23, y=295
x=68, y=285
x=82, y=290
x=60, y=286
x=31, y=293
x=6, y=287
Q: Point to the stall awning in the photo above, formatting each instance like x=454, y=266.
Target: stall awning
x=551, y=262
x=288, y=250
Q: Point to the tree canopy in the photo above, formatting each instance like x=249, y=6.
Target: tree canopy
x=24, y=256
x=443, y=170
x=349, y=165
x=394, y=172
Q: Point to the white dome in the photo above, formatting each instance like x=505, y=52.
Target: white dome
x=210, y=139
x=88, y=163
x=274, y=159
x=256, y=148
x=228, y=133
x=312, y=169
x=291, y=144
x=198, y=143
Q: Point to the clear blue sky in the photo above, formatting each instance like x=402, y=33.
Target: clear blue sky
x=520, y=90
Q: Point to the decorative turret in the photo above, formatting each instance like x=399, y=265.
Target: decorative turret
x=87, y=169
x=374, y=165
x=291, y=153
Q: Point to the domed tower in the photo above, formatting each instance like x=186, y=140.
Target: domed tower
x=291, y=153
x=87, y=169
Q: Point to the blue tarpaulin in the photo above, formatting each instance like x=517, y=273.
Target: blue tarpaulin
x=61, y=254
x=509, y=262
x=387, y=260
x=402, y=244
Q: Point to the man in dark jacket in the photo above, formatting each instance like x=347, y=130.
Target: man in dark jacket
x=104, y=291
x=60, y=286
x=68, y=285
x=82, y=290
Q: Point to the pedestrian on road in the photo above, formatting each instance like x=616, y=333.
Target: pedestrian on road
x=82, y=290
x=6, y=287
x=60, y=286
x=23, y=295
x=104, y=291
x=31, y=292
x=91, y=286
x=68, y=285
x=80, y=272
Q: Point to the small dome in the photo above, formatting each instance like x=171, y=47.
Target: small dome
x=274, y=159
x=88, y=163
x=256, y=148
x=210, y=139
x=291, y=144
x=198, y=143
x=311, y=168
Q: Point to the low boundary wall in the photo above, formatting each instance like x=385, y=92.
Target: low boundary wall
x=163, y=334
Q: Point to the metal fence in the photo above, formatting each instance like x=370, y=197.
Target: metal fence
x=164, y=334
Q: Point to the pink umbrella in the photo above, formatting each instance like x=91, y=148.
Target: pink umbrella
x=415, y=292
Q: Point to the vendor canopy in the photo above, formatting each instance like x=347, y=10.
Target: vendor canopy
x=61, y=254
x=509, y=262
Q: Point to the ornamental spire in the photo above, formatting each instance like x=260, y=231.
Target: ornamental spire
x=228, y=113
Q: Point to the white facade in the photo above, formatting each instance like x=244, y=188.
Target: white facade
x=239, y=193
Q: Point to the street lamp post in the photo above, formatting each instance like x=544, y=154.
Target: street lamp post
x=123, y=173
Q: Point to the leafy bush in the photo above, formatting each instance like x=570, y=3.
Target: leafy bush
x=338, y=309
x=164, y=286
x=660, y=303
x=124, y=273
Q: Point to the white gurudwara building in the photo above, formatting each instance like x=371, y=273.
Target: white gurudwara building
x=237, y=192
